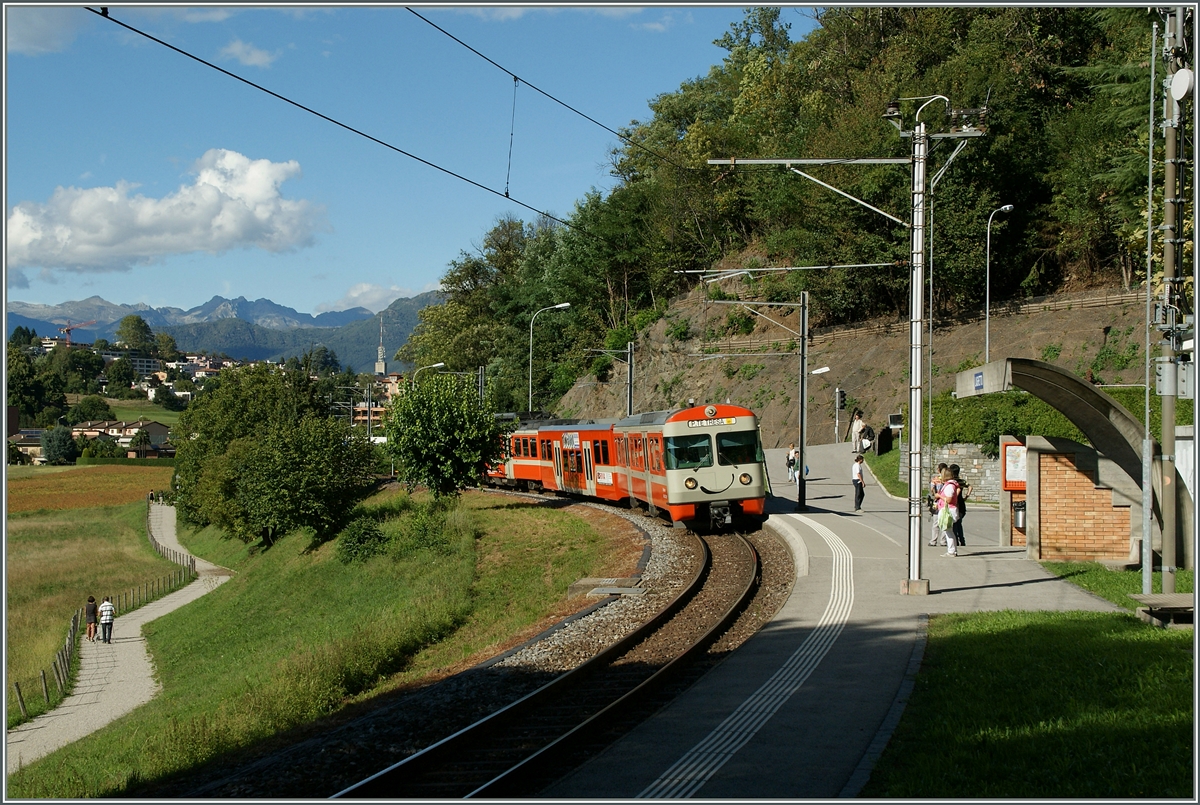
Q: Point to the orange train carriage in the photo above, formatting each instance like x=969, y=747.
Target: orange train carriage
x=701, y=465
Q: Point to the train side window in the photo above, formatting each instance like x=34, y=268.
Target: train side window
x=516, y=446
x=604, y=453
x=533, y=447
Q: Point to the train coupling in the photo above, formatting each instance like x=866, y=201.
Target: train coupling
x=721, y=514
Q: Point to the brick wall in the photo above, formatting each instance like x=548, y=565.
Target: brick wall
x=1077, y=520
x=1018, y=536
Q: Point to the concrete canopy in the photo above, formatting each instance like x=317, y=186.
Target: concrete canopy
x=1108, y=426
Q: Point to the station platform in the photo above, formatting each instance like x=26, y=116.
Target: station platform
x=805, y=707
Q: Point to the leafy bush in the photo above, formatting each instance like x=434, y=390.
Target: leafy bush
x=679, y=330
x=429, y=527
x=750, y=371
x=739, y=322
x=360, y=540
x=602, y=366
x=644, y=318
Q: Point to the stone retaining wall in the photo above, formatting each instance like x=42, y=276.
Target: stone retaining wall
x=977, y=469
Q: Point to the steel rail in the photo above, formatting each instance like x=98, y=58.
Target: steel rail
x=392, y=781
x=508, y=785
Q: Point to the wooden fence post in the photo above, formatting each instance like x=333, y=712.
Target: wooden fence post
x=57, y=676
x=45, y=687
x=21, y=700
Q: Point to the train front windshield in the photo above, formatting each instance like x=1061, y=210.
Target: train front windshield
x=738, y=447
x=689, y=452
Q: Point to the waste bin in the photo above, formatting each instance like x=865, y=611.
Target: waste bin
x=1018, y=515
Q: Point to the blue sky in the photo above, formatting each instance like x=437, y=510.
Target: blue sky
x=139, y=175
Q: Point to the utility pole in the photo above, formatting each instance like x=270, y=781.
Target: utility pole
x=1173, y=299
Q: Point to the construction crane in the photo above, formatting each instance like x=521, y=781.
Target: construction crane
x=67, y=330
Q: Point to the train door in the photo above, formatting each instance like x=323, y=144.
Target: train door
x=558, y=475
x=589, y=470
x=651, y=464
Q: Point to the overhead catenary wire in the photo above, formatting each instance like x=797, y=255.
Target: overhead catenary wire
x=624, y=138
x=327, y=118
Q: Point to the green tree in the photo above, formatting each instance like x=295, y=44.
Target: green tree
x=58, y=446
x=101, y=447
x=92, y=408
x=120, y=374
x=244, y=402
x=164, y=347
x=24, y=389
x=134, y=333
x=15, y=456
x=23, y=336
x=140, y=442
x=442, y=435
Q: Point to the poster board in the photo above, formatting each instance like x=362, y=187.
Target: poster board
x=1012, y=466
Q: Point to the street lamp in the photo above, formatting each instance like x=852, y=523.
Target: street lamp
x=437, y=365
x=559, y=306
x=987, y=305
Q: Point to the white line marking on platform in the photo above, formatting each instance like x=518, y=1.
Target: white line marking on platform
x=703, y=760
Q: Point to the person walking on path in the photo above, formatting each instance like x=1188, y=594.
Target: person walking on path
x=112, y=681
x=791, y=463
x=89, y=616
x=107, y=613
x=856, y=475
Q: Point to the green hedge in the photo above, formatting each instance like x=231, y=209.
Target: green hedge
x=81, y=461
x=982, y=420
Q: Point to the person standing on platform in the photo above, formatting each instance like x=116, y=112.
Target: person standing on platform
x=107, y=613
x=935, y=486
x=856, y=428
x=962, y=504
x=792, y=456
x=856, y=475
x=948, y=511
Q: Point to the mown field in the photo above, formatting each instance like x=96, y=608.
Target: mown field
x=1043, y=705
x=57, y=488
x=296, y=634
x=71, y=532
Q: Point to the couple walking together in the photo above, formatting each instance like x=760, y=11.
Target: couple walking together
x=104, y=613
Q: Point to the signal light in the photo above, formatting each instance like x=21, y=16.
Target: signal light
x=841, y=399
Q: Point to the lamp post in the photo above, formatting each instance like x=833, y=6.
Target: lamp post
x=559, y=306
x=437, y=365
x=987, y=305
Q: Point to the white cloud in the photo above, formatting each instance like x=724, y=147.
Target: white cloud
x=364, y=294
x=248, y=55
x=233, y=203
x=46, y=29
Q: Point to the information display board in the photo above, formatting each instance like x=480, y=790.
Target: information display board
x=1012, y=466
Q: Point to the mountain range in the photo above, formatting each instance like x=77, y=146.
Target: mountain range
x=239, y=328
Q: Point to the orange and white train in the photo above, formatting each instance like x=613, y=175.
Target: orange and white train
x=701, y=465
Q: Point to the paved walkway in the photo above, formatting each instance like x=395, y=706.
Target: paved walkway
x=803, y=708
x=114, y=678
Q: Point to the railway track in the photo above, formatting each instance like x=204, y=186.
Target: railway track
x=520, y=748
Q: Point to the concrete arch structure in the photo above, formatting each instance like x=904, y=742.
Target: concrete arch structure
x=1108, y=426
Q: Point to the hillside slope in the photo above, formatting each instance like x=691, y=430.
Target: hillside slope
x=1101, y=331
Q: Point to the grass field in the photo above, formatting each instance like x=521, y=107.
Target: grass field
x=143, y=409
x=55, y=560
x=1116, y=585
x=52, y=488
x=323, y=634
x=1045, y=705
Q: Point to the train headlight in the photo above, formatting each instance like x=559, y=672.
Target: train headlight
x=690, y=483
x=745, y=478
